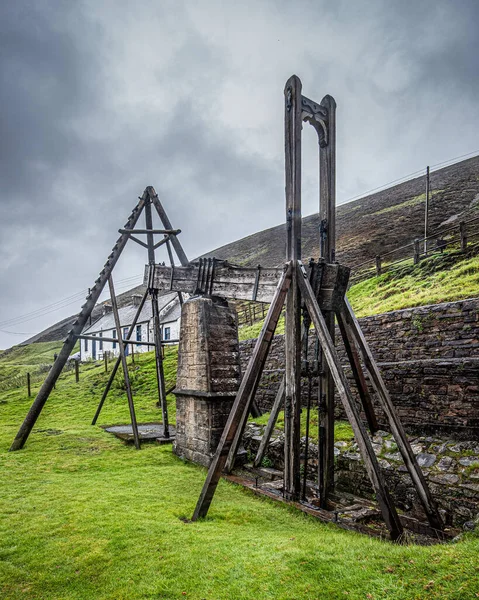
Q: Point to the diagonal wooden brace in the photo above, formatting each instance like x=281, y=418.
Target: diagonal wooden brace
x=385, y=502
x=397, y=429
x=245, y=394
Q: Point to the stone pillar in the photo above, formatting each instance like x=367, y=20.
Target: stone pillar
x=208, y=376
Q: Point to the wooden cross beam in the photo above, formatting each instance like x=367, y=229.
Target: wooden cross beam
x=219, y=278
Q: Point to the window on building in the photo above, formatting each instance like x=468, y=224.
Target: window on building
x=101, y=341
x=86, y=345
x=138, y=333
x=114, y=336
x=167, y=333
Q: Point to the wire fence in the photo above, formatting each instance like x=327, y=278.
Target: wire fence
x=461, y=236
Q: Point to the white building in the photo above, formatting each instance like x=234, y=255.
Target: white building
x=104, y=327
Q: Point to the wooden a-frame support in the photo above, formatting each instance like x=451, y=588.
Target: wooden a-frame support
x=295, y=288
x=148, y=199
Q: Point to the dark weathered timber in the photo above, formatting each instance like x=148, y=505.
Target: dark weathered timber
x=361, y=383
x=121, y=347
x=159, y=363
x=397, y=429
x=238, y=283
x=245, y=394
x=180, y=253
x=388, y=509
x=76, y=330
x=165, y=240
x=160, y=376
x=151, y=231
x=327, y=212
x=77, y=372
x=110, y=339
x=29, y=385
x=273, y=417
x=292, y=330
x=118, y=361
x=172, y=263
x=135, y=239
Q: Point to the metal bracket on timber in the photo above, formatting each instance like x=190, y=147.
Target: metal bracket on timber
x=318, y=293
x=148, y=199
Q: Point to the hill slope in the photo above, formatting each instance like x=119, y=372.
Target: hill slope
x=374, y=224
x=366, y=227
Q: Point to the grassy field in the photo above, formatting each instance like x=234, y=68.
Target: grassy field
x=436, y=280
x=83, y=516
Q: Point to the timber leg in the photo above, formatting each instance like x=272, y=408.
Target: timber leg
x=397, y=428
x=273, y=417
x=245, y=394
x=121, y=346
x=118, y=360
x=358, y=374
x=387, y=507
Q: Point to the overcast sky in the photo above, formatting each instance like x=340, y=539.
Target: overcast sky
x=99, y=99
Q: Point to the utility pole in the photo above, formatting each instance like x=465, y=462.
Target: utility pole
x=427, y=210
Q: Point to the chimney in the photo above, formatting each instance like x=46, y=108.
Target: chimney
x=107, y=308
x=136, y=299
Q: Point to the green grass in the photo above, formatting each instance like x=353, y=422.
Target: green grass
x=435, y=280
x=83, y=516
x=23, y=359
x=406, y=204
x=342, y=429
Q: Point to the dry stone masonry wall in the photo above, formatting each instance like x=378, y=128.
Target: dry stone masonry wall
x=429, y=358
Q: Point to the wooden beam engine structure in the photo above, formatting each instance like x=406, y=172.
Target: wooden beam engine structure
x=314, y=294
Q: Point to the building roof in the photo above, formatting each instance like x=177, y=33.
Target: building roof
x=166, y=305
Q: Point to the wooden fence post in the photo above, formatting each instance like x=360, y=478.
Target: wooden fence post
x=378, y=265
x=463, y=232
x=77, y=372
x=105, y=358
x=29, y=388
x=416, y=251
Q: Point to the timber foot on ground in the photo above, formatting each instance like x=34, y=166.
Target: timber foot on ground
x=344, y=510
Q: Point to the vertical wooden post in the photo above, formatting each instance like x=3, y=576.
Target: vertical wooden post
x=133, y=353
x=105, y=358
x=293, y=127
x=29, y=388
x=426, y=214
x=327, y=212
x=378, y=265
x=463, y=232
x=416, y=251
x=77, y=371
x=160, y=377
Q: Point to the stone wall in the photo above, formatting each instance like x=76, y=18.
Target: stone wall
x=451, y=470
x=429, y=358
x=207, y=378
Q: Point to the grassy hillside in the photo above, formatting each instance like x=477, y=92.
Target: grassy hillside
x=374, y=224
x=33, y=358
x=84, y=516
x=439, y=279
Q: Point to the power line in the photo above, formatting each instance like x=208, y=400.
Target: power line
x=60, y=304
x=410, y=176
